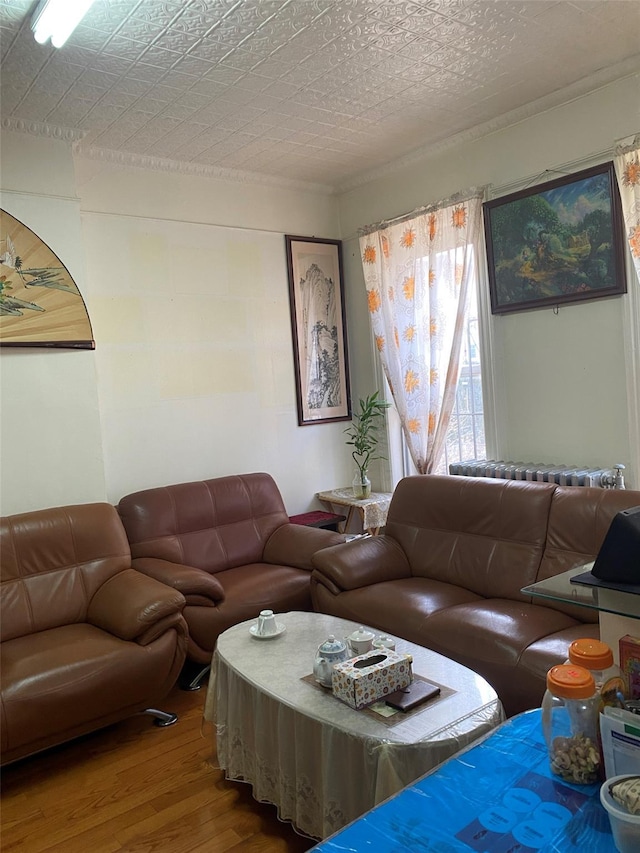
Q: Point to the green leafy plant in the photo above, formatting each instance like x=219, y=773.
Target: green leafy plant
x=363, y=432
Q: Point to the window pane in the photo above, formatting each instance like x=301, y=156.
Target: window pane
x=465, y=436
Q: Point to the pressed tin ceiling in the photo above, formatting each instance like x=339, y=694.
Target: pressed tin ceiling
x=322, y=92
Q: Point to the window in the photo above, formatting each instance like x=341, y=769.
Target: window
x=466, y=433
x=465, y=436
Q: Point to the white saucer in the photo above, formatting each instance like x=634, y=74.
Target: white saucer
x=253, y=630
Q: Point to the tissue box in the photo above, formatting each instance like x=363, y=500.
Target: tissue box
x=371, y=676
x=630, y=664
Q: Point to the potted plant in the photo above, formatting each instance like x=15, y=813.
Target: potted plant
x=363, y=437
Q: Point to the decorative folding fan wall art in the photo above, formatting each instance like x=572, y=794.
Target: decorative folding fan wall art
x=40, y=304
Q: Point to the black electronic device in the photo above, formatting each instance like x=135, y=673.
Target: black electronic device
x=617, y=565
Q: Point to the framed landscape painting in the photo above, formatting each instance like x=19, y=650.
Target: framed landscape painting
x=556, y=243
x=316, y=298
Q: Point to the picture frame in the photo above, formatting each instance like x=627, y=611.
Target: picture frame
x=559, y=242
x=318, y=327
x=40, y=303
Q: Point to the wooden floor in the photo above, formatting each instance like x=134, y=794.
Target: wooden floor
x=138, y=788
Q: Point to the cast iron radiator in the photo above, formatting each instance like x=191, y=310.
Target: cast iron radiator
x=563, y=475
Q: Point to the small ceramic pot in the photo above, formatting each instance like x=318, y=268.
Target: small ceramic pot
x=361, y=641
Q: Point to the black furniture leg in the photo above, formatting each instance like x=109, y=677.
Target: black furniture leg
x=191, y=679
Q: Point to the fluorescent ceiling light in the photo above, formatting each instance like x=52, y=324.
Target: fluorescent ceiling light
x=57, y=19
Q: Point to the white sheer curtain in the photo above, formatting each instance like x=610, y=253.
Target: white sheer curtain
x=417, y=271
x=627, y=161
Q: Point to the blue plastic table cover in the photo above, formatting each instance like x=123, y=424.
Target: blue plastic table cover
x=498, y=796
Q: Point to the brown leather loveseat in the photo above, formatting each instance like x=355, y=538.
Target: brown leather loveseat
x=228, y=546
x=86, y=640
x=448, y=572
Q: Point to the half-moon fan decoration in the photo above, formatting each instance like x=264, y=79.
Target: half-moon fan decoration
x=40, y=304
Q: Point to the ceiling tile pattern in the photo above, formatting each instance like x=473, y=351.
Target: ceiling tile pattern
x=320, y=91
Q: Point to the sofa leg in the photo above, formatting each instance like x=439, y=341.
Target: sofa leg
x=194, y=682
x=162, y=718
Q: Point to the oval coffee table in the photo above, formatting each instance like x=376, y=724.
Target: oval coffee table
x=319, y=761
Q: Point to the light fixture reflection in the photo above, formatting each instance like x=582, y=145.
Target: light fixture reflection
x=57, y=19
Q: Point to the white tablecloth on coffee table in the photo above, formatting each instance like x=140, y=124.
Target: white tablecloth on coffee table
x=320, y=762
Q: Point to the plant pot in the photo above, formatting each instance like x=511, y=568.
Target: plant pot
x=361, y=485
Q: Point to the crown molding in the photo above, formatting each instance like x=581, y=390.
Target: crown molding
x=201, y=170
x=39, y=128
x=563, y=96
x=75, y=137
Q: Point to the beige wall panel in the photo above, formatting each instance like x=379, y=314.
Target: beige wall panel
x=118, y=319
x=204, y=373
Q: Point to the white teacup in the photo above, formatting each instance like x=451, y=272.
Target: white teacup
x=266, y=623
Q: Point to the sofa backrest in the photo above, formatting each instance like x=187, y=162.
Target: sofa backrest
x=485, y=535
x=211, y=524
x=52, y=561
x=578, y=522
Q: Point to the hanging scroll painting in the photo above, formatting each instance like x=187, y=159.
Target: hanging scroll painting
x=319, y=330
x=40, y=304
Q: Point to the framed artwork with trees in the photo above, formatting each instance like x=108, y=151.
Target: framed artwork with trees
x=558, y=242
x=318, y=326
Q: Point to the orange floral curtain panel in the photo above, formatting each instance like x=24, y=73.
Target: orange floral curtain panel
x=627, y=163
x=417, y=271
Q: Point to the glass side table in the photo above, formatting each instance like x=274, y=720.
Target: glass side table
x=619, y=611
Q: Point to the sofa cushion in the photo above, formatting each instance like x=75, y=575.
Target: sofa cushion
x=578, y=523
x=490, y=637
x=53, y=561
x=407, y=602
x=55, y=680
x=492, y=630
x=535, y=658
x=482, y=534
x=246, y=588
x=212, y=524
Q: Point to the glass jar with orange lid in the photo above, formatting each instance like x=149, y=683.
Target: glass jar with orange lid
x=597, y=657
x=570, y=709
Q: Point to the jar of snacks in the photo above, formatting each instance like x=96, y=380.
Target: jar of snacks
x=597, y=657
x=570, y=724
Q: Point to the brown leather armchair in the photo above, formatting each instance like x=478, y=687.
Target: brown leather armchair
x=85, y=639
x=228, y=546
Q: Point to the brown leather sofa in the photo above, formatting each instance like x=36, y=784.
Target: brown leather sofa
x=228, y=546
x=86, y=640
x=448, y=571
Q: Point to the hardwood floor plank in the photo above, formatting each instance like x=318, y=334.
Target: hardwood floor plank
x=187, y=812
x=137, y=788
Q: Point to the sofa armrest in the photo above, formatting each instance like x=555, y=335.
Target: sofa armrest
x=295, y=545
x=362, y=562
x=197, y=586
x=130, y=605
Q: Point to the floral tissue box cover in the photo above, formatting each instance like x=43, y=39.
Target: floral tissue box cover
x=371, y=676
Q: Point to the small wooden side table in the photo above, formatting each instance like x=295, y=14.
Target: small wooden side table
x=373, y=510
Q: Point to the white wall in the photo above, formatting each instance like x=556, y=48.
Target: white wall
x=50, y=439
x=562, y=392
x=188, y=294
x=186, y=286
